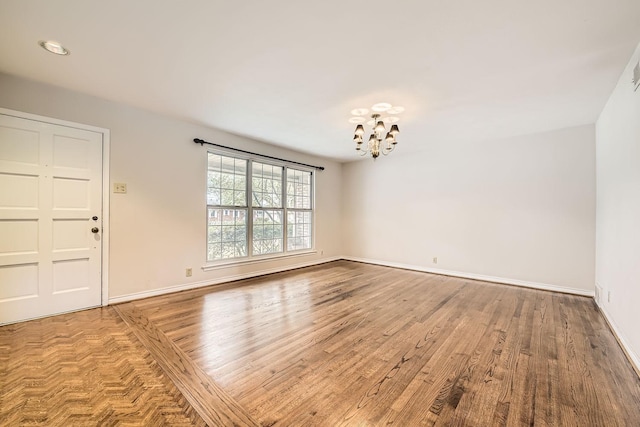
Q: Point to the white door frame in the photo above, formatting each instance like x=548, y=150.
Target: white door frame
x=106, y=145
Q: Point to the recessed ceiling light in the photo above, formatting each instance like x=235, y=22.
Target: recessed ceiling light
x=357, y=120
x=359, y=111
x=381, y=107
x=54, y=47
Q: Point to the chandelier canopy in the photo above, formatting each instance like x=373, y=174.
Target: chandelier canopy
x=380, y=141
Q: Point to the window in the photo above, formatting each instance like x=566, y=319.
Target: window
x=256, y=209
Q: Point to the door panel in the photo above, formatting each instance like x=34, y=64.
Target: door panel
x=50, y=189
x=71, y=275
x=18, y=282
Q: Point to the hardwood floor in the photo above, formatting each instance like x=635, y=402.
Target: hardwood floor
x=352, y=344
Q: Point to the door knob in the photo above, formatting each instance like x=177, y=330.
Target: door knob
x=95, y=230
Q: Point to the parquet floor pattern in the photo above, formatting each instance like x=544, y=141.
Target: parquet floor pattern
x=84, y=369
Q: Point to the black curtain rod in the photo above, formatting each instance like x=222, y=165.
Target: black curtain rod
x=201, y=142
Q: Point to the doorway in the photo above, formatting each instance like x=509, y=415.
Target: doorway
x=53, y=227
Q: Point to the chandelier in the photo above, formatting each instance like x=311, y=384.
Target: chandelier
x=380, y=141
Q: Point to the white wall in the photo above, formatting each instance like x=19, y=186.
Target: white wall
x=520, y=209
x=158, y=227
x=618, y=210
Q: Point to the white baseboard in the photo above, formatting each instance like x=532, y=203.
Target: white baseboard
x=515, y=282
x=216, y=281
x=624, y=343
x=224, y=279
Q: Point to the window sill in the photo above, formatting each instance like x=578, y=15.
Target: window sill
x=258, y=260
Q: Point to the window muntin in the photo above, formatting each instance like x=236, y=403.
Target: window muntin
x=237, y=228
x=298, y=189
x=266, y=185
x=226, y=208
x=226, y=234
x=226, y=181
x=268, y=236
x=298, y=230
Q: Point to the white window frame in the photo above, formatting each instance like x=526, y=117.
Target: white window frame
x=250, y=258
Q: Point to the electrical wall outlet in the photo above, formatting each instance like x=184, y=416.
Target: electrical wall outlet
x=608, y=296
x=435, y=259
x=119, y=187
x=189, y=272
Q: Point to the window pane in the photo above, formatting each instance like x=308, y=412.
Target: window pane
x=214, y=160
x=240, y=198
x=228, y=250
x=298, y=230
x=298, y=189
x=266, y=185
x=226, y=174
x=213, y=252
x=227, y=197
x=213, y=179
x=240, y=182
x=226, y=233
x=267, y=231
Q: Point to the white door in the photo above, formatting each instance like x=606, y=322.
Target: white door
x=50, y=219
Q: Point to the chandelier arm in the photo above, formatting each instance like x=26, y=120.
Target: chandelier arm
x=366, y=151
x=363, y=152
x=386, y=151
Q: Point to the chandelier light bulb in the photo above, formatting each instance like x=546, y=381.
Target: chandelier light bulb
x=359, y=130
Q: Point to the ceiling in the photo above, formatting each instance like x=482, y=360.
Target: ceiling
x=289, y=72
